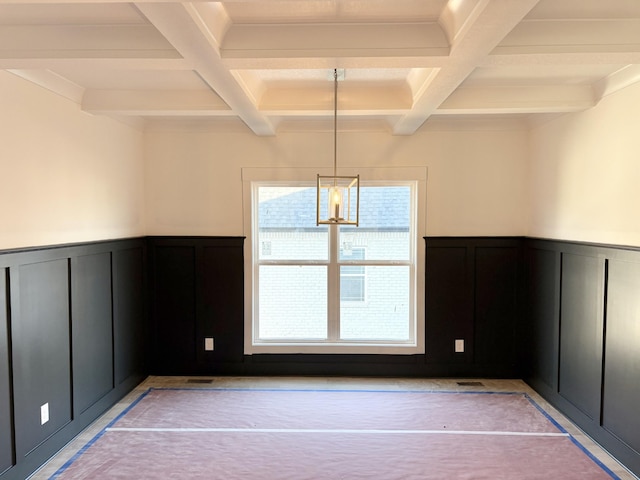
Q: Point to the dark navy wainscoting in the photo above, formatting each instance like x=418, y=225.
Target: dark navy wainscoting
x=7, y=444
x=72, y=336
x=197, y=291
x=75, y=321
x=472, y=294
x=41, y=351
x=92, y=333
x=581, y=338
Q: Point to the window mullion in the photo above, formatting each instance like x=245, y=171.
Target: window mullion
x=333, y=287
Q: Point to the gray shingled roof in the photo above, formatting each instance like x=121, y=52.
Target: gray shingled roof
x=384, y=207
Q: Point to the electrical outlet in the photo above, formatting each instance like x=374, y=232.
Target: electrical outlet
x=459, y=345
x=208, y=344
x=44, y=414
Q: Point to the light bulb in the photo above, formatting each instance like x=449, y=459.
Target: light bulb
x=335, y=203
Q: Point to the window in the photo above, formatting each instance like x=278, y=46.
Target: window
x=352, y=276
x=342, y=289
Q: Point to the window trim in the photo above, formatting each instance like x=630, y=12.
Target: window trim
x=372, y=175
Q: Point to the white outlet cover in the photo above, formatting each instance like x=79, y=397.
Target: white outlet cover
x=459, y=347
x=208, y=344
x=44, y=414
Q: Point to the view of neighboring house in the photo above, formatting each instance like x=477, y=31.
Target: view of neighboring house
x=373, y=267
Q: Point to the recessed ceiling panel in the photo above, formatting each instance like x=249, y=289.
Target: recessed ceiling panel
x=268, y=63
x=540, y=75
x=334, y=11
x=70, y=14
x=133, y=79
x=585, y=9
x=325, y=76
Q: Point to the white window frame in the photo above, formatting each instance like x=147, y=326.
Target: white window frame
x=371, y=176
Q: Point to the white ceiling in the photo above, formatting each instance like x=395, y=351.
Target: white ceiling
x=269, y=63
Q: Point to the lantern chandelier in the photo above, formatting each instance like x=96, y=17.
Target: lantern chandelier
x=338, y=197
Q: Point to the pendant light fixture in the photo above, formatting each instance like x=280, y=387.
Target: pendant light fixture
x=338, y=197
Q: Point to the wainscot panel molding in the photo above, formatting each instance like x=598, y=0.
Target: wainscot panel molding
x=92, y=333
x=621, y=397
x=41, y=351
x=472, y=295
x=68, y=315
x=564, y=316
x=197, y=286
x=7, y=437
x=197, y=292
x=581, y=336
x=582, y=330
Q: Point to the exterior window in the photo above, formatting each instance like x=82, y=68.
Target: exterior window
x=333, y=286
x=352, y=276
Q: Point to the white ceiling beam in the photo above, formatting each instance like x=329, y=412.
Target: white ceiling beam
x=317, y=62
x=458, y=16
x=572, y=36
x=327, y=40
x=183, y=26
x=352, y=100
x=216, y=19
x=626, y=76
x=50, y=2
x=492, y=21
x=154, y=102
x=573, y=58
x=116, y=64
x=73, y=41
x=419, y=80
x=518, y=99
x=318, y=124
x=52, y=82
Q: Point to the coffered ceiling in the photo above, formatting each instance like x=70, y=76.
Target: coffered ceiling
x=268, y=64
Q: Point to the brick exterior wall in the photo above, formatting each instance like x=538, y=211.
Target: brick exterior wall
x=293, y=299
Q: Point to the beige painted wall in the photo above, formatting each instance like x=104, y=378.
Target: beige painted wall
x=69, y=176
x=476, y=177
x=66, y=176
x=585, y=174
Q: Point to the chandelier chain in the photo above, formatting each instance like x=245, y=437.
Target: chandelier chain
x=335, y=121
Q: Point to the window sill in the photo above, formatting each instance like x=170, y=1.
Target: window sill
x=336, y=348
